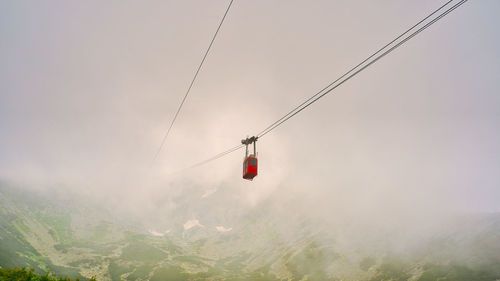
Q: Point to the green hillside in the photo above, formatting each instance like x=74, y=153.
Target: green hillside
x=22, y=274
x=73, y=240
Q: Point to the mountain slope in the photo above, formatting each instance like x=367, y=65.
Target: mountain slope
x=268, y=242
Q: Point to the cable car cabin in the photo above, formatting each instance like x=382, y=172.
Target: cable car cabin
x=250, y=162
x=250, y=167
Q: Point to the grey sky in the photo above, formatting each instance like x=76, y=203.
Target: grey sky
x=88, y=88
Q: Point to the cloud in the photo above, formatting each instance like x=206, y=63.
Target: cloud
x=85, y=105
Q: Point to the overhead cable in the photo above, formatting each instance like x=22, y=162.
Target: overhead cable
x=217, y=156
x=322, y=93
x=348, y=75
x=192, y=82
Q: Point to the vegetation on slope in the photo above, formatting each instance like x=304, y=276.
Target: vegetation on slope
x=22, y=274
x=396, y=269
x=36, y=233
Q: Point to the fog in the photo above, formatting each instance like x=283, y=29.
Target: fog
x=87, y=91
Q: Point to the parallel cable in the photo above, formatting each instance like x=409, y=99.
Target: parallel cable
x=192, y=82
x=314, y=98
x=322, y=93
x=238, y=147
x=352, y=69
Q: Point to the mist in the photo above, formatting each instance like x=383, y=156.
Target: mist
x=87, y=91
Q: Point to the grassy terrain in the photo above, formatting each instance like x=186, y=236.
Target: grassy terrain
x=35, y=233
x=22, y=274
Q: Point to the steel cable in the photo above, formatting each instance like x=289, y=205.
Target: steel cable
x=322, y=93
x=192, y=82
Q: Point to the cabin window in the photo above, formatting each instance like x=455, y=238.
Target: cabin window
x=253, y=162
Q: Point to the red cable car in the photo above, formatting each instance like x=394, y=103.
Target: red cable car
x=250, y=162
x=250, y=167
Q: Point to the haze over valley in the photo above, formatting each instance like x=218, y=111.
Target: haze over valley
x=110, y=169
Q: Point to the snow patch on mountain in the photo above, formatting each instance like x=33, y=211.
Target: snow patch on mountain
x=209, y=192
x=223, y=229
x=158, y=234
x=192, y=223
